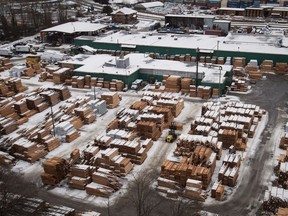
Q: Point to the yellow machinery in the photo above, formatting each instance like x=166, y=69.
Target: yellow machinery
x=172, y=136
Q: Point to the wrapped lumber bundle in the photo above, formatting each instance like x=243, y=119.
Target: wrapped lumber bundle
x=173, y=84
x=147, y=129
x=28, y=151
x=6, y=159
x=55, y=170
x=112, y=99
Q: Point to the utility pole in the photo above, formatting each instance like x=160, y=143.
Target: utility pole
x=220, y=69
x=52, y=116
x=197, y=62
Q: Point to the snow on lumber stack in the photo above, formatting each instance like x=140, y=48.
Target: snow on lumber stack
x=103, y=141
x=194, y=193
x=217, y=191
x=72, y=135
x=106, y=179
x=175, y=105
x=121, y=134
x=90, y=151
x=6, y=159
x=99, y=190
x=80, y=176
x=138, y=105
x=112, y=99
x=27, y=150
x=55, y=170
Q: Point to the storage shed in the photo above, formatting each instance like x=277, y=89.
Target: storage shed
x=124, y=15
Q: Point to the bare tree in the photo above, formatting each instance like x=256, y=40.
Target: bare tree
x=143, y=198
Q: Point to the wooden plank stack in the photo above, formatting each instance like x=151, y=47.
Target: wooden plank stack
x=55, y=170
x=148, y=129
x=103, y=141
x=175, y=105
x=112, y=99
x=239, y=62
x=139, y=105
x=267, y=66
x=281, y=68
x=239, y=85
x=172, y=84
x=86, y=114
x=185, y=85
x=284, y=142
x=80, y=176
x=227, y=137
x=217, y=191
x=10, y=86
x=6, y=159
x=27, y=150
x=5, y=64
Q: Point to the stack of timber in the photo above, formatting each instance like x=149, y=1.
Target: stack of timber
x=5, y=64
x=172, y=83
x=169, y=187
x=239, y=62
x=61, y=75
x=168, y=116
x=148, y=129
x=112, y=99
x=185, y=85
x=239, y=72
x=136, y=150
x=193, y=190
x=175, y=105
x=10, y=86
x=7, y=125
x=232, y=160
x=110, y=159
x=228, y=137
x=138, y=105
x=6, y=159
x=180, y=172
x=281, y=68
x=267, y=66
x=217, y=191
x=85, y=113
x=90, y=151
x=27, y=150
x=284, y=142
x=121, y=134
x=239, y=85
x=55, y=170
x=80, y=176
x=103, y=141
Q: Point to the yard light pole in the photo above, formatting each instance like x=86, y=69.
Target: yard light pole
x=52, y=116
x=197, y=62
x=220, y=69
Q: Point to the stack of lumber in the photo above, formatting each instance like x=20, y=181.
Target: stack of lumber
x=267, y=66
x=217, y=191
x=33, y=101
x=240, y=119
x=114, y=124
x=202, y=130
x=72, y=135
x=169, y=187
x=215, y=92
x=6, y=159
x=239, y=85
x=201, y=121
x=98, y=190
x=138, y=105
x=51, y=97
x=90, y=151
x=106, y=179
x=281, y=68
x=176, y=106
x=10, y=86
x=206, y=92
x=103, y=141
x=185, y=85
x=239, y=72
x=233, y=125
x=116, y=85
x=228, y=137
x=86, y=114
x=5, y=64
x=257, y=74
x=112, y=99
x=110, y=159
x=80, y=176
x=180, y=172
x=7, y=125
x=230, y=176
x=50, y=142
x=284, y=142
x=172, y=84
x=148, y=129
x=55, y=170
x=193, y=190
x=233, y=160
x=121, y=134
x=28, y=151
x=282, y=211
x=168, y=116
x=239, y=62
x=63, y=92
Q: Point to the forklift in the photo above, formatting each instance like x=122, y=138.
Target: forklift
x=172, y=136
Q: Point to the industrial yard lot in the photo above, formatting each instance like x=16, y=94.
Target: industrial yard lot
x=150, y=110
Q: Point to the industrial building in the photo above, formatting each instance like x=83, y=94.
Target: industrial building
x=136, y=65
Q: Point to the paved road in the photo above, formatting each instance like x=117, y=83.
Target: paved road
x=271, y=95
